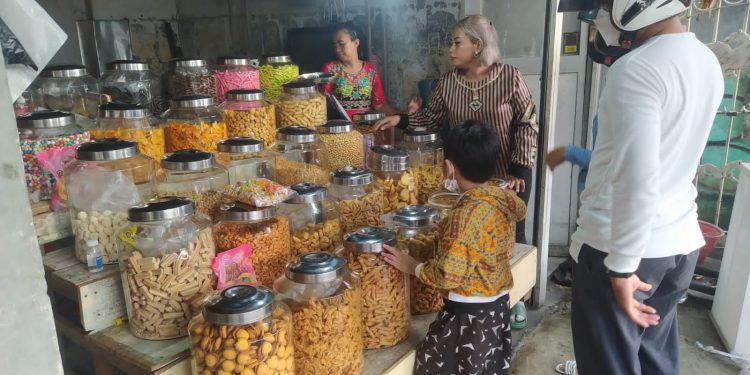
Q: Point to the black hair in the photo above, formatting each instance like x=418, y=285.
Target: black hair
x=354, y=34
x=473, y=147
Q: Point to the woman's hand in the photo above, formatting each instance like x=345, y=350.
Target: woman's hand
x=516, y=184
x=400, y=260
x=386, y=123
x=414, y=104
x=555, y=157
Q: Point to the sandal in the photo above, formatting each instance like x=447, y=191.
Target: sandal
x=518, y=316
x=567, y=368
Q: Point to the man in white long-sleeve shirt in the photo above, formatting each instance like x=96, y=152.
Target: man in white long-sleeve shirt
x=635, y=247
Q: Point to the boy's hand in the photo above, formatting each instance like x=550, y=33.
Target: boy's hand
x=400, y=260
x=555, y=157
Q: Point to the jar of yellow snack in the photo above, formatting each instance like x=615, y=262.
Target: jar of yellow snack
x=426, y=158
x=303, y=156
x=194, y=122
x=314, y=219
x=132, y=122
x=359, y=200
x=364, y=122
x=394, y=176
x=248, y=114
x=300, y=103
x=343, y=144
x=193, y=174
x=245, y=159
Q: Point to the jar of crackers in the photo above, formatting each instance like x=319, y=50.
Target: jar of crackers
x=394, y=176
x=314, y=219
x=426, y=158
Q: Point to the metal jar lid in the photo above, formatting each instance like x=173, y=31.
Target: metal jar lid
x=315, y=268
x=296, y=134
x=388, y=159
x=277, y=59
x=369, y=240
x=416, y=216
x=299, y=87
x=368, y=118
x=64, y=71
x=318, y=77
x=188, y=160
x=187, y=63
x=307, y=193
x=243, y=95
x=420, y=135
x=165, y=208
x=192, y=101
x=240, y=305
x=336, y=127
x=127, y=66
x=239, y=145
x=350, y=176
x=234, y=61
x=44, y=120
x=243, y=212
x=106, y=150
x=123, y=110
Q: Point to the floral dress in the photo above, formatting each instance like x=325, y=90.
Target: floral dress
x=358, y=92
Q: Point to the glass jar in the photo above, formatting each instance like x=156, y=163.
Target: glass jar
x=193, y=174
x=131, y=81
x=325, y=298
x=314, y=219
x=243, y=330
x=166, y=252
x=320, y=79
x=426, y=157
x=235, y=73
x=358, y=199
x=276, y=70
x=248, y=115
x=246, y=159
x=385, y=290
x=132, y=122
x=70, y=88
x=393, y=176
x=43, y=131
x=301, y=104
x=364, y=122
x=28, y=101
x=303, y=156
x=106, y=178
x=187, y=77
x=194, y=122
x=261, y=228
x=444, y=202
x=343, y=143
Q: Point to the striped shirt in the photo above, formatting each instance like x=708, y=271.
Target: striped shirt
x=506, y=105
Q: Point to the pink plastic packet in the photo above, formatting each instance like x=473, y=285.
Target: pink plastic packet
x=233, y=267
x=54, y=160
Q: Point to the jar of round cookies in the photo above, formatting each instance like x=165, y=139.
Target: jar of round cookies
x=358, y=199
x=343, y=144
x=301, y=104
x=245, y=159
x=248, y=114
x=314, y=219
x=394, y=176
x=193, y=174
x=303, y=156
x=426, y=158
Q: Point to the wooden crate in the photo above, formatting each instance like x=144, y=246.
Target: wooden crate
x=50, y=225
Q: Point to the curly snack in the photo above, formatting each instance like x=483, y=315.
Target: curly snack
x=185, y=135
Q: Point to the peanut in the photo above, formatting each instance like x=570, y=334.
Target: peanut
x=257, y=123
x=344, y=149
x=290, y=172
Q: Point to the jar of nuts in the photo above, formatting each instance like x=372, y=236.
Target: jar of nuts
x=248, y=115
x=276, y=70
x=246, y=159
x=393, y=176
x=243, y=330
x=188, y=77
x=303, y=156
x=343, y=143
x=444, y=202
x=131, y=122
x=193, y=174
x=261, y=228
x=314, y=219
x=106, y=178
x=194, y=122
x=364, y=122
x=385, y=290
x=166, y=252
x=326, y=302
x=359, y=200
x=426, y=157
x=300, y=103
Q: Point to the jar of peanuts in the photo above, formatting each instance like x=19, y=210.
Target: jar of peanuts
x=132, y=122
x=444, y=202
x=364, y=122
x=246, y=159
x=343, y=143
x=243, y=330
x=187, y=77
x=194, y=122
x=193, y=174
x=276, y=70
x=260, y=227
x=358, y=199
x=303, y=156
x=394, y=176
x=165, y=250
x=248, y=115
x=233, y=73
x=300, y=103
x=314, y=219
x=426, y=157
x=325, y=298
x=385, y=290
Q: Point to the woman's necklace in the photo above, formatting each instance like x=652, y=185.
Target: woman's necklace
x=475, y=104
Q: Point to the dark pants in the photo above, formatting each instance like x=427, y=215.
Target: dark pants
x=606, y=341
x=524, y=195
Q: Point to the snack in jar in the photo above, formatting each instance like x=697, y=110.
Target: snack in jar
x=246, y=159
x=187, y=77
x=364, y=121
x=131, y=122
x=314, y=219
x=426, y=158
x=358, y=199
x=248, y=114
x=194, y=122
x=131, y=81
x=444, y=202
x=343, y=144
x=193, y=174
x=300, y=103
x=276, y=70
x=234, y=73
x=70, y=88
x=393, y=175
x=303, y=156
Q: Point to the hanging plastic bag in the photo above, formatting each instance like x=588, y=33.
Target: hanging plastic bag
x=53, y=161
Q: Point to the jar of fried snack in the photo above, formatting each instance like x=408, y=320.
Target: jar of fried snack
x=131, y=81
x=325, y=298
x=444, y=201
x=301, y=104
x=71, y=88
x=358, y=199
x=314, y=219
x=385, y=290
x=426, y=158
x=303, y=156
x=261, y=228
x=193, y=174
x=276, y=70
x=132, y=122
x=364, y=122
x=243, y=330
x=235, y=73
x=166, y=252
x=194, y=122
x=245, y=159
x=394, y=176
x=188, y=77
x=343, y=143
x=248, y=114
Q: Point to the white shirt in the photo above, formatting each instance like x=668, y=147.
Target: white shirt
x=655, y=113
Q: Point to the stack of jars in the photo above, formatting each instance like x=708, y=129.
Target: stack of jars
x=303, y=156
x=187, y=77
x=131, y=81
x=132, y=122
x=364, y=122
x=245, y=159
x=426, y=157
x=393, y=176
x=194, y=122
x=276, y=70
x=314, y=218
x=248, y=114
x=234, y=73
x=359, y=200
x=301, y=104
x=343, y=143
x=193, y=174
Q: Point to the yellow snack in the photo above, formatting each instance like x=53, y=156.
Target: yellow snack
x=186, y=135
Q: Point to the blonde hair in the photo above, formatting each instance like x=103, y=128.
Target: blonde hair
x=480, y=30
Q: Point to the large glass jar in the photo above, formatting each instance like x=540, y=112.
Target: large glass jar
x=325, y=298
x=243, y=331
x=276, y=70
x=70, y=88
x=187, y=77
x=106, y=178
x=364, y=122
x=385, y=290
x=301, y=104
x=261, y=228
x=193, y=174
x=343, y=143
x=132, y=122
x=131, y=81
x=245, y=159
x=43, y=131
x=28, y=101
x=444, y=202
x=194, y=122
x=303, y=156
x=314, y=218
x=248, y=115
x=358, y=199
x=166, y=252
x=426, y=157
x=235, y=73
x=393, y=176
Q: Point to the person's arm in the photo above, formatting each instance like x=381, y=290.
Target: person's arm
x=524, y=130
x=430, y=116
x=578, y=156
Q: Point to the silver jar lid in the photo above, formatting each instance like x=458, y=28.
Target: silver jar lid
x=336, y=127
x=188, y=160
x=307, y=193
x=123, y=110
x=368, y=118
x=165, y=208
x=350, y=176
x=244, y=95
x=420, y=135
x=234, y=61
x=296, y=134
x=240, y=305
x=64, y=71
x=106, y=150
x=299, y=87
x=239, y=145
x=277, y=59
x=416, y=216
x=187, y=63
x=369, y=240
x=45, y=120
x=388, y=159
x=243, y=212
x=192, y=101
x=318, y=77
x=315, y=268
x=127, y=66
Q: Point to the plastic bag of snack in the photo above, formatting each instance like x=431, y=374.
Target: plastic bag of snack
x=53, y=161
x=233, y=267
x=258, y=192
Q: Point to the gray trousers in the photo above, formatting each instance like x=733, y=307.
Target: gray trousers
x=606, y=341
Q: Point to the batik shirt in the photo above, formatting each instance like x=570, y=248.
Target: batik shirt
x=358, y=92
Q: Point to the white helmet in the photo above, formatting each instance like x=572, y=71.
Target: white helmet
x=633, y=15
